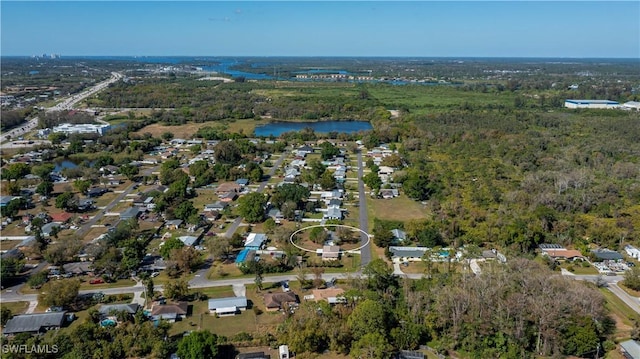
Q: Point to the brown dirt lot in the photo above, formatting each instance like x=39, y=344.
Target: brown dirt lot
x=187, y=130
x=183, y=131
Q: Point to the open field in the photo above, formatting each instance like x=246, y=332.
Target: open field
x=423, y=99
x=400, y=208
x=187, y=131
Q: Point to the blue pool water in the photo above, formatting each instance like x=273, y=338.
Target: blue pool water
x=108, y=323
x=242, y=255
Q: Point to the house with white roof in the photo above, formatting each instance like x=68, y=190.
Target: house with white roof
x=227, y=306
x=632, y=251
x=255, y=240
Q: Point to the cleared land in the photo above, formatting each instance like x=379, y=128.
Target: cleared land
x=189, y=129
x=400, y=208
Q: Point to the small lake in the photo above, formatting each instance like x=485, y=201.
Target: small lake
x=278, y=128
x=64, y=164
x=67, y=164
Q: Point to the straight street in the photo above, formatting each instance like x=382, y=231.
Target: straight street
x=236, y=223
x=365, y=252
x=87, y=226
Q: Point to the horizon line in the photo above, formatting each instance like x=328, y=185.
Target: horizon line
x=340, y=56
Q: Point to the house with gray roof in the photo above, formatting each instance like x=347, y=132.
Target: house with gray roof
x=227, y=306
x=630, y=349
x=189, y=241
x=47, y=229
x=109, y=309
x=408, y=253
x=173, y=224
x=333, y=212
x=34, y=323
x=216, y=206
x=132, y=212
x=606, y=254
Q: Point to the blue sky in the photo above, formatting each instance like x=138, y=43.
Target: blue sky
x=324, y=28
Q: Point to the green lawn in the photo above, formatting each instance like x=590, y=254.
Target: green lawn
x=401, y=208
x=619, y=308
x=215, y=292
x=579, y=269
x=247, y=321
x=16, y=307
x=423, y=99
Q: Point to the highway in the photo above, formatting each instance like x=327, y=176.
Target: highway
x=19, y=131
x=70, y=102
x=66, y=104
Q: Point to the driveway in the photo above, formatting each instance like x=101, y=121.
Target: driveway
x=239, y=290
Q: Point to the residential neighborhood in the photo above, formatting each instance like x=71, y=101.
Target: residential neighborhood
x=169, y=210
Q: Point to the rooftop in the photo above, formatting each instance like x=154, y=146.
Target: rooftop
x=586, y=102
x=227, y=302
x=33, y=322
x=130, y=308
x=255, y=240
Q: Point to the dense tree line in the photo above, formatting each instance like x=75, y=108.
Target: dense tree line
x=514, y=311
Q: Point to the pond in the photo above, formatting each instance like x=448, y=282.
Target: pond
x=69, y=164
x=278, y=128
x=64, y=164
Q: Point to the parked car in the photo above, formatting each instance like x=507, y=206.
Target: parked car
x=96, y=281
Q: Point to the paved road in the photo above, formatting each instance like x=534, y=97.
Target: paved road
x=24, y=144
x=365, y=252
x=87, y=226
x=612, y=285
x=16, y=297
x=201, y=275
x=201, y=282
x=234, y=225
x=68, y=103
x=19, y=131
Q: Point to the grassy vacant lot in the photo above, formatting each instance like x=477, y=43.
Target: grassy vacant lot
x=423, y=99
x=12, y=230
x=400, y=208
x=16, y=307
x=228, y=269
x=7, y=245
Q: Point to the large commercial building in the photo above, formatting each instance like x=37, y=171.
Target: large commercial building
x=591, y=104
x=82, y=128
